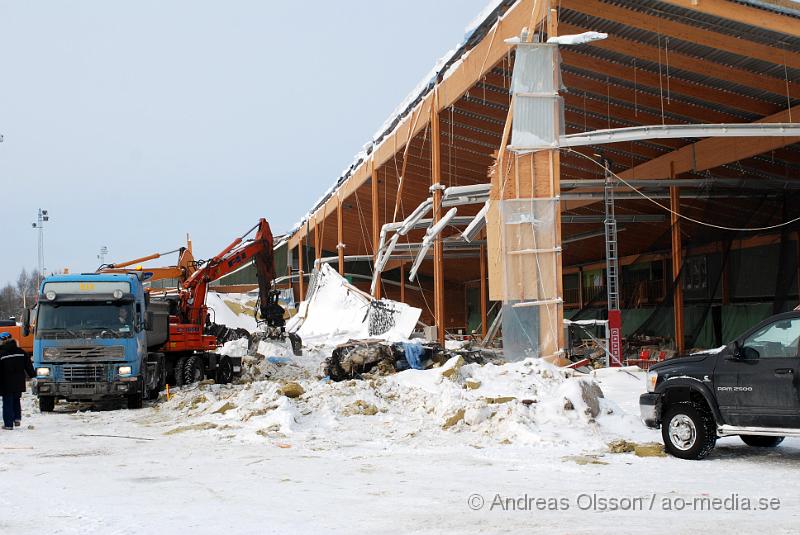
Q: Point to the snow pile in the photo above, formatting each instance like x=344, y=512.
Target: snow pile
x=336, y=311
x=530, y=403
x=223, y=314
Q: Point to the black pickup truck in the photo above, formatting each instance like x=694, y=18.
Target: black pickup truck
x=749, y=388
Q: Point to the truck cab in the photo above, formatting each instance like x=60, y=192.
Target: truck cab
x=91, y=341
x=748, y=388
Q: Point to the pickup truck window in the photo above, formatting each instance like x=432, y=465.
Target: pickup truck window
x=776, y=340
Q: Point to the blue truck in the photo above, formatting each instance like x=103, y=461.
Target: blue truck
x=97, y=336
x=101, y=335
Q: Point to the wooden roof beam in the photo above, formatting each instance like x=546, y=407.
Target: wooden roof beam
x=734, y=11
x=474, y=64
x=580, y=57
x=689, y=63
x=640, y=99
x=686, y=32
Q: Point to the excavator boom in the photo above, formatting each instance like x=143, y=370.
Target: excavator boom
x=234, y=256
x=184, y=269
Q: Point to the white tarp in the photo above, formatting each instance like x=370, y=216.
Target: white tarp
x=336, y=311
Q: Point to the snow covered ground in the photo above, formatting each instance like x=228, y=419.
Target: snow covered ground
x=434, y=451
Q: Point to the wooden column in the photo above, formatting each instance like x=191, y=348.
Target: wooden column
x=438, y=248
x=300, y=250
x=552, y=23
x=529, y=272
x=317, y=244
x=376, y=223
x=580, y=288
x=677, y=261
x=484, y=296
x=555, y=173
x=339, y=234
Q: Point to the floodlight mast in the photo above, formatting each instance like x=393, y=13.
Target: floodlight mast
x=41, y=218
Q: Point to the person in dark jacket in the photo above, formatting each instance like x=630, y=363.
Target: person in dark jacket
x=14, y=366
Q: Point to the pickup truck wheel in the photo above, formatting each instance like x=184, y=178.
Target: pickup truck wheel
x=47, y=403
x=688, y=430
x=135, y=400
x=193, y=370
x=761, y=441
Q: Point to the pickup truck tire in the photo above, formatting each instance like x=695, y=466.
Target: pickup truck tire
x=193, y=370
x=688, y=430
x=135, y=401
x=47, y=403
x=761, y=441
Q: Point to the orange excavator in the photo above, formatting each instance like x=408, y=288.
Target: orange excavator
x=191, y=333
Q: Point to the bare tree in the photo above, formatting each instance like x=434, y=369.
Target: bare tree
x=15, y=297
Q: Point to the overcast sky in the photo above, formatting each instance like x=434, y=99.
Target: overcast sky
x=134, y=123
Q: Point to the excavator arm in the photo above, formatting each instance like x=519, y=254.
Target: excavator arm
x=234, y=256
x=184, y=269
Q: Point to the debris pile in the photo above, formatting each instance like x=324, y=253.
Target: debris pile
x=410, y=391
x=335, y=311
x=284, y=397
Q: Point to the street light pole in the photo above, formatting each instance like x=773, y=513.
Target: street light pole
x=102, y=255
x=41, y=218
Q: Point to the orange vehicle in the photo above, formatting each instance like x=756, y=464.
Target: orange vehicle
x=191, y=332
x=184, y=269
x=17, y=332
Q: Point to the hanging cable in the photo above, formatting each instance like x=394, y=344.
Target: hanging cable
x=635, y=91
x=363, y=226
x=660, y=81
x=666, y=58
x=677, y=214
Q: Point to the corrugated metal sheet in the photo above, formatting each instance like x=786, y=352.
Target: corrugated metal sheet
x=653, y=38
x=784, y=7
x=717, y=24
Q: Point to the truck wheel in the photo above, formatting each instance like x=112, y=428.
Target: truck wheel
x=761, y=441
x=47, y=403
x=180, y=366
x=688, y=430
x=135, y=401
x=224, y=371
x=193, y=370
